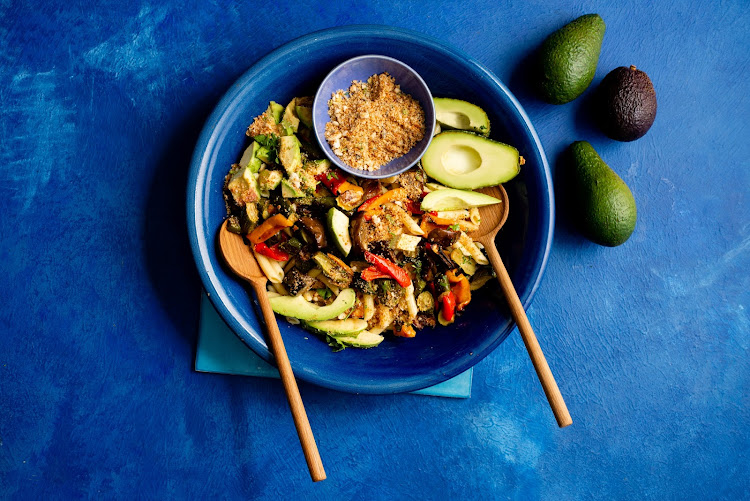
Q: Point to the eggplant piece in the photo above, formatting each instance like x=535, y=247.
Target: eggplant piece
x=316, y=230
x=358, y=233
x=443, y=237
x=333, y=270
x=424, y=319
x=297, y=282
x=439, y=260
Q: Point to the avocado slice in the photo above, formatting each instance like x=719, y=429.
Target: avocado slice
x=338, y=226
x=457, y=114
x=450, y=199
x=269, y=180
x=249, y=157
x=464, y=160
x=364, y=339
x=305, y=115
x=289, y=191
x=244, y=186
x=601, y=203
x=275, y=110
x=289, y=120
x=338, y=328
x=298, y=307
x=290, y=154
x=568, y=59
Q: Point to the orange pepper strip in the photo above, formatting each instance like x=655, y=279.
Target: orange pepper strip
x=405, y=331
x=347, y=186
x=388, y=196
x=460, y=287
x=269, y=228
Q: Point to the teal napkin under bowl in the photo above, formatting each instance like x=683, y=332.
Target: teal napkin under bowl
x=221, y=351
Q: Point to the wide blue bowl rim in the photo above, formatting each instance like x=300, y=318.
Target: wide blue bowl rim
x=198, y=192
x=319, y=128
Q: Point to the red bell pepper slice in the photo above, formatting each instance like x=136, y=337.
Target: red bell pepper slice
x=449, y=305
x=371, y=273
x=384, y=265
x=272, y=252
x=332, y=180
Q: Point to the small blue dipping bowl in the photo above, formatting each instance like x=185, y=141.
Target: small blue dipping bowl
x=360, y=69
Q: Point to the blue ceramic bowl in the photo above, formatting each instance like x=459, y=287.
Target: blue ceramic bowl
x=397, y=365
x=361, y=68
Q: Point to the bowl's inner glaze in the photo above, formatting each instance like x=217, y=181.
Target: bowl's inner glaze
x=397, y=365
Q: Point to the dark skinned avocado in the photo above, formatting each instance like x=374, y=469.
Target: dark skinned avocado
x=600, y=202
x=625, y=104
x=567, y=59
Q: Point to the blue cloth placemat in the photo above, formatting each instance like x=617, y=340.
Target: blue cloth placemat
x=221, y=351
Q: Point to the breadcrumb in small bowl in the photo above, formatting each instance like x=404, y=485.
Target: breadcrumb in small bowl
x=373, y=116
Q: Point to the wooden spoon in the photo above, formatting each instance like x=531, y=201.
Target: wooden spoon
x=493, y=218
x=241, y=260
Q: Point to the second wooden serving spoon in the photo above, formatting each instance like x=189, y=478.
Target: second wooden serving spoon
x=241, y=260
x=493, y=218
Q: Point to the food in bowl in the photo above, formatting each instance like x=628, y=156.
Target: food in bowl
x=373, y=122
x=355, y=259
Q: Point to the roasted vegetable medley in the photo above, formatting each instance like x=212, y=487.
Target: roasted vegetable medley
x=351, y=259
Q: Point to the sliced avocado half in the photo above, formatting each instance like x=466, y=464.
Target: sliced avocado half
x=450, y=199
x=298, y=307
x=290, y=154
x=338, y=328
x=457, y=114
x=463, y=160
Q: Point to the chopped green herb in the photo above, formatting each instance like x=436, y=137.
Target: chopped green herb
x=324, y=293
x=455, y=227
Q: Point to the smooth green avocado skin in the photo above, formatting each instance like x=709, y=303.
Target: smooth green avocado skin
x=601, y=203
x=568, y=59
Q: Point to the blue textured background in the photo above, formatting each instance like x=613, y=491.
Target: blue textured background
x=100, y=109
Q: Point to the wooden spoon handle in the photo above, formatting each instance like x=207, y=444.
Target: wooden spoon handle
x=306, y=438
x=543, y=371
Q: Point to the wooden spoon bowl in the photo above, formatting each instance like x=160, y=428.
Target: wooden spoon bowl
x=241, y=260
x=493, y=218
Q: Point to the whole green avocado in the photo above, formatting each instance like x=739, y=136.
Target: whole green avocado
x=568, y=58
x=601, y=203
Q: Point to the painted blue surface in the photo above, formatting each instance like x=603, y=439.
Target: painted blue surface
x=220, y=351
x=359, y=69
x=398, y=365
x=101, y=109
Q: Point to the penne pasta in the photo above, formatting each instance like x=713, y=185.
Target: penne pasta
x=453, y=215
x=472, y=249
x=411, y=302
x=474, y=216
x=271, y=268
x=369, y=306
x=280, y=289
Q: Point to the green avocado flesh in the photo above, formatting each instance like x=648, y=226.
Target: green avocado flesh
x=450, y=199
x=464, y=160
x=337, y=328
x=457, y=114
x=297, y=307
x=364, y=339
